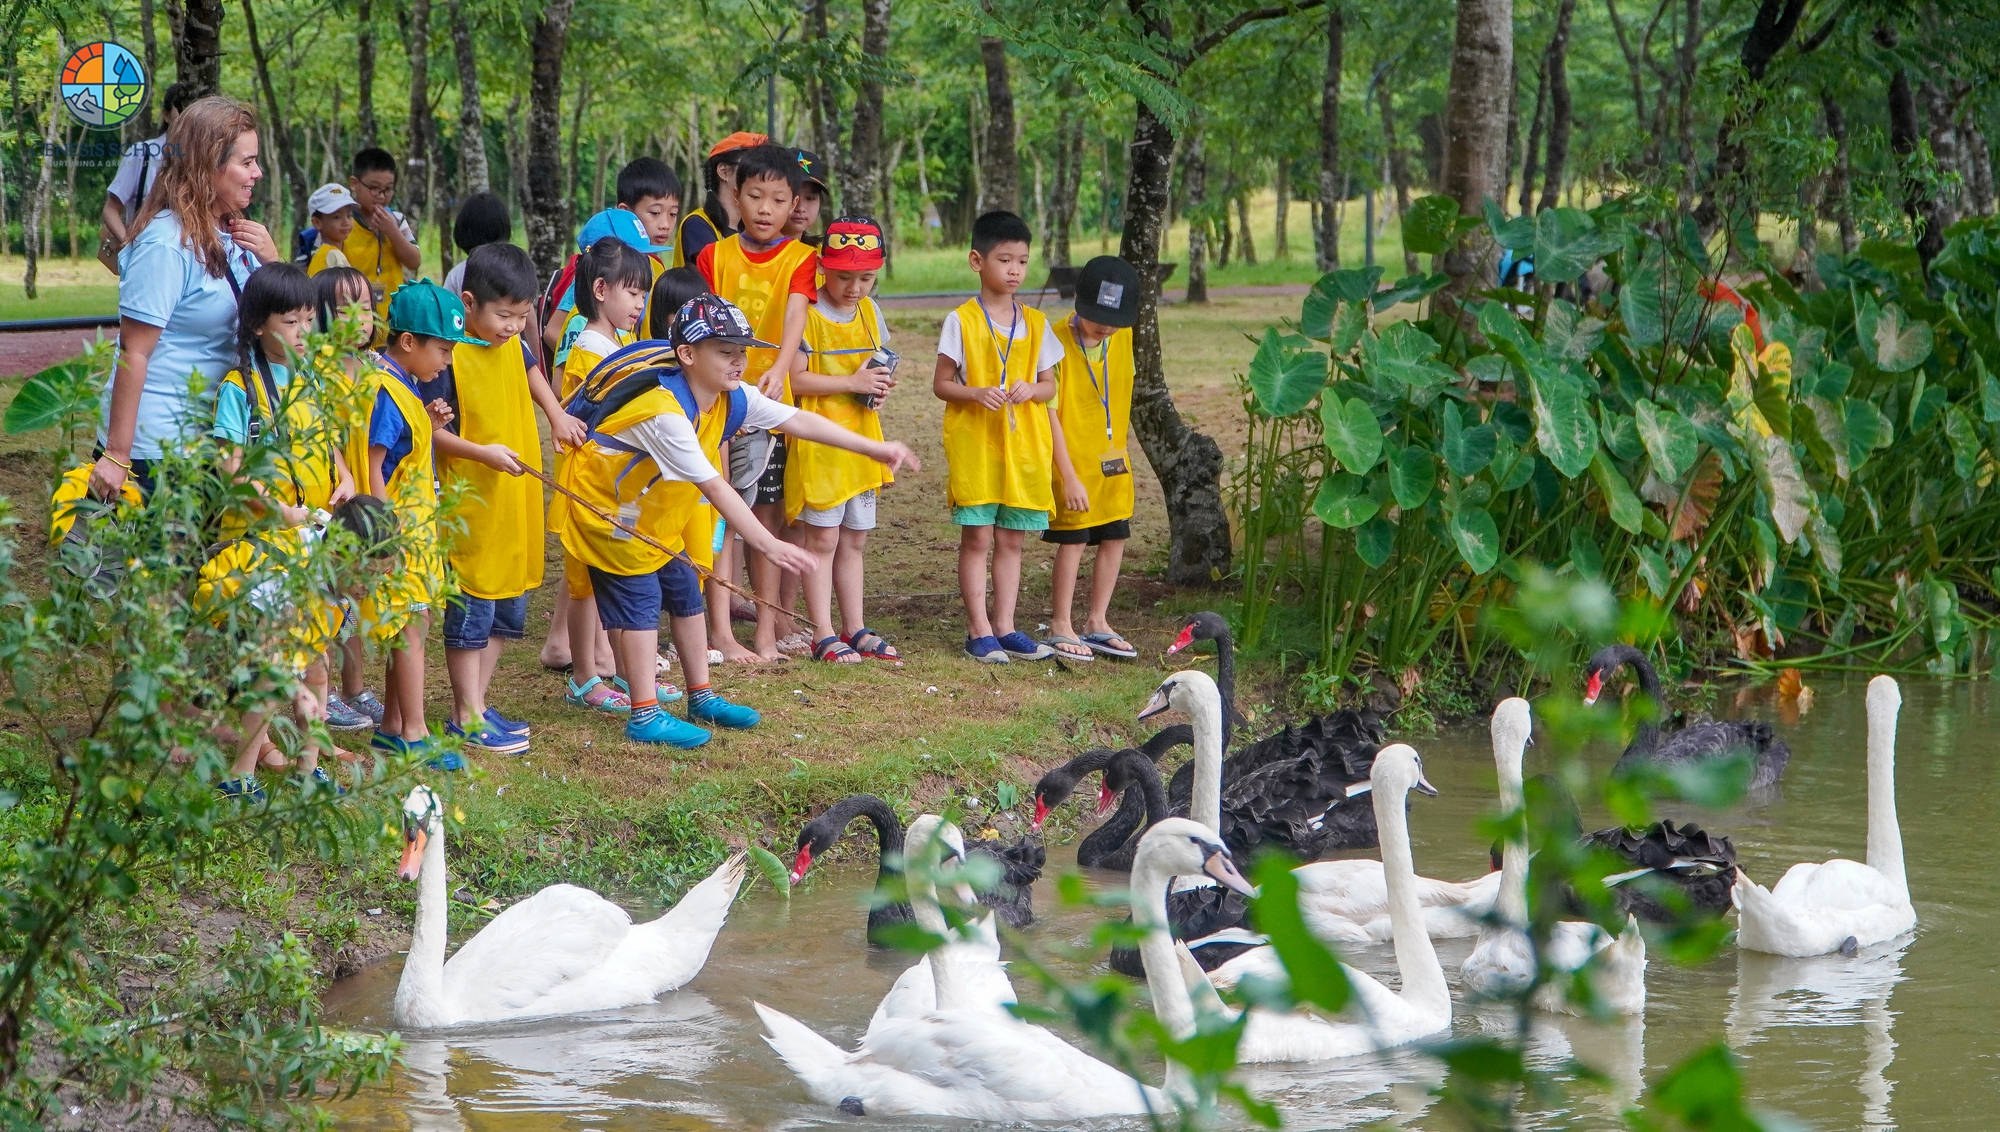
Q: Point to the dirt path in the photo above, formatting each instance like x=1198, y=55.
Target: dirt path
x=28, y=353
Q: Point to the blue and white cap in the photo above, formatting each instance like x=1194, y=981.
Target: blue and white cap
x=710, y=317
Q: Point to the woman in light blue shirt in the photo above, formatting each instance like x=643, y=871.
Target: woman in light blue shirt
x=179, y=279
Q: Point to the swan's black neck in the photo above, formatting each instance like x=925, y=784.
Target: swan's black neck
x=1112, y=834
x=1609, y=660
x=1139, y=771
x=1225, y=681
x=1055, y=787
x=1166, y=739
x=827, y=828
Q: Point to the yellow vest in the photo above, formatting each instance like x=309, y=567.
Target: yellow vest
x=819, y=475
x=760, y=291
x=1094, y=403
x=630, y=486
x=240, y=560
x=998, y=457
x=325, y=256
x=310, y=439
x=412, y=493
x=499, y=553
x=696, y=216
x=375, y=258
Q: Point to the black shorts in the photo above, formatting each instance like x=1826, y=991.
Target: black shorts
x=1114, y=531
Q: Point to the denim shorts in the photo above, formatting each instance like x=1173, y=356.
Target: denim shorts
x=1002, y=516
x=634, y=601
x=471, y=622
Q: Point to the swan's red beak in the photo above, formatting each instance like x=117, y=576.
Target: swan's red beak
x=1106, y=798
x=413, y=853
x=1593, y=688
x=1184, y=640
x=801, y=864
x=1041, y=812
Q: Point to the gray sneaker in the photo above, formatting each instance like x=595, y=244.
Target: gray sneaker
x=367, y=705
x=341, y=717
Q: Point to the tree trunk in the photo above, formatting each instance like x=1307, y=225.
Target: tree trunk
x=1979, y=169
x=1636, y=76
x=1531, y=153
x=1327, y=239
x=1224, y=237
x=1194, y=181
x=1282, y=183
x=864, y=181
x=1001, y=178
x=886, y=183
x=1770, y=31
x=152, y=39
x=1941, y=113
x=1839, y=188
x=517, y=160
x=1905, y=134
x=1068, y=176
x=472, y=171
x=33, y=244
x=364, y=72
x=1399, y=169
x=547, y=217
x=825, y=110
x=1248, y=250
x=1556, y=68
x=275, y=128
x=198, y=46
x=416, y=179
x=69, y=194
x=1476, y=107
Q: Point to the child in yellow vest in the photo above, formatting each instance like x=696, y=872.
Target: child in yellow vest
x=493, y=387
x=831, y=494
x=1093, y=467
x=425, y=323
x=655, y=439
x=769, y=276
x=381, y=245
x=996, y=359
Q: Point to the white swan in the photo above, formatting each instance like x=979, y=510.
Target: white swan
x=1502, y=963
x=563, y=950
x=1342, y=901
x=968, y=1062
x=1841, y=904
x=1388, y=1018
x=978, y=981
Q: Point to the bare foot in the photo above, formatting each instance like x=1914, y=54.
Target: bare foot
x=272, y=756
x=556, y=657
x=737, y=654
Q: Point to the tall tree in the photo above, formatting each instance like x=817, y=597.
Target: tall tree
x=1001, y=176
x=1555, y=70
x=1477, y=104
x=1399, y=164
x=1840, y=179
x=417, y=178
x=822, y=96
x=472, y=169
x=1068, y=175
x=548, y=218
x=276, y=127
x=1769, y=32
x=1331, y=183
x=1194, y=182
x=151, y=36
x=364, y=71
x=198, y=46
x=1531, y=153
x=864, y=179
x=1905, y=135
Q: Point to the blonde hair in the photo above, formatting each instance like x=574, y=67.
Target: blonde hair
x=197, y=145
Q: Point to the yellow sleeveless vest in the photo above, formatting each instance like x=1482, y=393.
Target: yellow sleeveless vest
x=1094, y=403
x=999, y=457
x=499, y=554
x=310, y=631
x=412, y=492
x=309, y=440
x=819, y=475
x=629, y=485
x=761, y=291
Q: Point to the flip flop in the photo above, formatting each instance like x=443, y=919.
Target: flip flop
x=1057, y=641
x=1101, y=642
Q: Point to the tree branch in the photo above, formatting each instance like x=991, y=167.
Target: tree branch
x=1812, y=42
x=1241, y=20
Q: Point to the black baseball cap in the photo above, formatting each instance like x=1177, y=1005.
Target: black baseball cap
x=1107, y=292
x=809, y=168
x=711, y=318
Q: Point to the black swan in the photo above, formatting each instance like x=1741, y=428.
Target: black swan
x=1694, y=743
x=1701, y=865
x=1112, y=835
x=1020, y=863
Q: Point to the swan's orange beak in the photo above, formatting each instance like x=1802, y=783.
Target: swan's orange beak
x=414, y=839
x=1184, y=640
x=1106, y=798
x=1041, y=812
x=803, y=862
x=1593, y=688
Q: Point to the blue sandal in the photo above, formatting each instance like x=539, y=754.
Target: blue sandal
x=883, y=650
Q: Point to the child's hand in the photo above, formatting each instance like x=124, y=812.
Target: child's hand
x=440, y=412
x=343, y=491
x=1021, y=393
x=293, y=516
x=569, y=432
x=874, y=381
x=501, y=457
x=898, y=456
x=1075, y=499
x=772, y=384
x=993, y=397
x=788, y=556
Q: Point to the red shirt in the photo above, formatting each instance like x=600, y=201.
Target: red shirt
x=802, y=279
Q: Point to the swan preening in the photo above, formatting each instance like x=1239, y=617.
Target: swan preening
x=1841, y=905
x=564, y=950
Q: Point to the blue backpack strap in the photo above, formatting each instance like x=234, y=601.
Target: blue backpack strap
x=739, y=407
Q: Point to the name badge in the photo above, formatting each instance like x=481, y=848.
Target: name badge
x=1115, y=464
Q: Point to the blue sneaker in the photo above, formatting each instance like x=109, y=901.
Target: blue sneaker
x=394, y=744
x=722, y=713
x=666, y=693
x=486, y=738
x=320, y=779
x=1020, y=646
x=510, y=726
x=986, y=650
x=243, y=789
x=668, y=729
x=341, y=717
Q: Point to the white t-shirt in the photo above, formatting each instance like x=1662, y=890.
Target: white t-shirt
x=671, y=441
x=454, y=280
x=591, y=342
x=875, y=316
x=144, y=157
x=951, y=342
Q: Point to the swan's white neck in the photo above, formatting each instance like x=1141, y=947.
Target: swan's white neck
x=1171, y=1002
x=1204, y=709
x=946, y=975
x=1885, y=833
x=1416, y=959
x=420, y=994
x=1512, y=905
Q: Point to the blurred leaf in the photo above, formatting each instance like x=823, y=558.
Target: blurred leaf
x=1342, y=501
x=1351, y=432
x=1563, y=425
x=46, y=399
x=1965, y=442
x=1989, y=393
x=1211, y=1050
x=1353, y=286
x=1467, y=451
x=908, y=937
x=1619, y=501
x=1374, y=540
x=1412, y=475
x=1315, y=973
x=1404, y=354
x=1704, y=1092
x=1430, y=225
x=1477, y=539
x=1285, y=380
x=1669, y=439
x=774, y=870
x=1409, y=289
x=1483, y=1059
x=1567, y=244
x=1263, y=1113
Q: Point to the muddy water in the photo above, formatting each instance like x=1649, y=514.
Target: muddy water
x=1896, y=1037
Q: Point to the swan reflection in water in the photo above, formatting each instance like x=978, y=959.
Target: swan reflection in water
x=1614, y=1049
x=1826, y=990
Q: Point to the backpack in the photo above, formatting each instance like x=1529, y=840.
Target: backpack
x=629, y=371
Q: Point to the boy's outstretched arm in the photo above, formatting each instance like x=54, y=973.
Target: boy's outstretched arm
x=743, y=521
x=772, y=384
x=496, y=456
x=567, y=431
x=819, y=430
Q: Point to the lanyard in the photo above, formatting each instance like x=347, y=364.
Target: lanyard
x=1006, y=355
x=1104, y=359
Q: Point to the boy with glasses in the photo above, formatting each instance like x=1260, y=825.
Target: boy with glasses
x=382, y=246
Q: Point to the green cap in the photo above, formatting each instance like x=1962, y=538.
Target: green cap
x=425, y=308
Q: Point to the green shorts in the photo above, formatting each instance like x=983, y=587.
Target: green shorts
x=1000, y=515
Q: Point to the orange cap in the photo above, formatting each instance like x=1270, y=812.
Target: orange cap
x=741, y=139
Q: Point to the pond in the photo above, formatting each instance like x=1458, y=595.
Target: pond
x=1894, y=1037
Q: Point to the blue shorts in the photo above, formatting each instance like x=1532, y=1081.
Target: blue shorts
x=634, y=601
x=471, y=622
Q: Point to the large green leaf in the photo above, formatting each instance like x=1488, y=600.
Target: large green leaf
x=1619, y=499
x=1283, y=379
x=1791, y=499
x=1343, y=501
x=1567, y=243
x=1374, y=540
x=1890, y=338
x=1516, y=234
x=1669, y=439
x=1351, y=432
x=1584, y=554
x=1655, y=572
x=1333, y=288
x=1989, y=393
x=1349, y=324
x=1412, y=475
x=1315, y=974
x=1620, y=433
x=1867, y=429
x=1569, y=333
x=1477, y=539
x=1965, y=444
x=59, y=392
x=1409, y=289
x=1818, y=422
x=1405, y=355
x=1563, y=425
x=1466, y=450
x=1430, y=226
